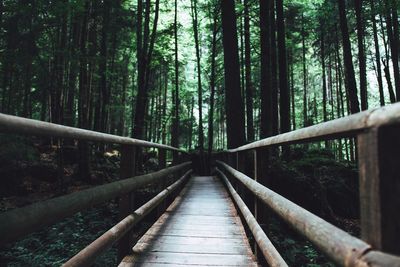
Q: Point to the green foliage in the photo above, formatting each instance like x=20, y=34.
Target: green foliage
x=54, y=245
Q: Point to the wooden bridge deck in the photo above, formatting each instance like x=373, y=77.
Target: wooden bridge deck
x=201, y=227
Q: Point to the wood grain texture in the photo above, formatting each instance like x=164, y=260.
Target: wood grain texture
x=201, y=227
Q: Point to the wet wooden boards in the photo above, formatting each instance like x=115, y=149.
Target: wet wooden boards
x=201, y=228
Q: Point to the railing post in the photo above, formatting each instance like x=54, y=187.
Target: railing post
x=260, y=157
x=126, y=202
x=240, y=166
x=162, y=164
x=379, y=161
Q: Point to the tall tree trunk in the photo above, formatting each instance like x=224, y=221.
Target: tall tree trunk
x=234, y=103
x=83, y=103
x=292, y=94
x=144, y=55
x=361, y=53
x=348, y=61
x=393, y=36
x=284, y=99
x=303, y=42
x=249, y=84
x=385, y=63
x=212, y=87
x=199, y=85
x=104, y=92
x=324, y=98
x=266, y=117
x=175, y=123
x=274, y=70
x=377, y=54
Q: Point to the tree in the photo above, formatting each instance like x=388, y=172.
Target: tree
x=199, y=84
x=249, y=84
x=361, y=54
x=283, y=76
x=350, y=78
x=233, y=102
x=266, y=121
x=175, y=123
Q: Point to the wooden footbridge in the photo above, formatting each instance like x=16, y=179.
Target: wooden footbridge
x=202, y=219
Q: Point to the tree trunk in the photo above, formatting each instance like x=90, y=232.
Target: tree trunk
x=393, y=36
x=377, y=54
x=249, y=84
x=303, y=42
x=385, y=63
x=361, y=54
x=212, y=88
x=83, y=103
x=234, y=103
x=324, y=98
x=283, y=77
x=274, y=70
x=199, y=85
x=175, y=123
x=104, y=92
x=348, y=61
x=266, y=117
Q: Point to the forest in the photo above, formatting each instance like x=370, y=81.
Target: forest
x=159, y=70
x=203, y=76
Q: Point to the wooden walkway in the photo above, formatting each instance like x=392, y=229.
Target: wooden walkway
x=201, y=227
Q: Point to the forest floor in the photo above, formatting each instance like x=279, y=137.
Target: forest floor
x=312, y=179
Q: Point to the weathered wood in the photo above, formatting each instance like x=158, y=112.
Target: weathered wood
x=127, y=201
x=379, y=158
x=13, y=124
x=342, y=127
x=212, y=235
x=88, y=255
x=267, y=248
x=22, y=221
x=338, y=245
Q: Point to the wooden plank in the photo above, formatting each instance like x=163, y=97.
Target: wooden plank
x=194, y=259
x=379, y=158
x=201, y=227
x=230, y=248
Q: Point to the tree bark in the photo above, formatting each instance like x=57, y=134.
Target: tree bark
x=348, y=61
x=249, y=83
x=361, y=54
x=266, y=118
x=284, y=99
x=303, y=42
x=377, y=54
x=175, y=123
x=234, y=103
x=199, y=84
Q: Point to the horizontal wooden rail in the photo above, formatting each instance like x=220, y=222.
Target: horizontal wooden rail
x=88, y=255
x=269, y=251
x=22, y=221
x=13, y=124
x=338, y=245
x=342, y=127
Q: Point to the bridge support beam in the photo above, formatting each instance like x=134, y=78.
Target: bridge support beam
x=379, y=165
x=127, y=202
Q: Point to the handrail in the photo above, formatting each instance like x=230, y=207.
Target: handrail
x=21, y=221
x=338, y=245
x=269, y=251
x=14, y=124
x=88, y=255
x=342, y=127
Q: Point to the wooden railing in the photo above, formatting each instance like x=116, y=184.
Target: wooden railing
x=378, y=147
x=17, y=223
